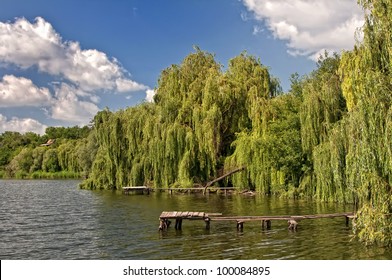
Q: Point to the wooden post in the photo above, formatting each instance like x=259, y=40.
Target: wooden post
x=266, y=224
x=178, y=225
x=164, y=224
x=240, y=225
x=168, y=222
x=207, y=220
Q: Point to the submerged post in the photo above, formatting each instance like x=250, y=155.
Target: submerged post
x=164, y=224
x=266, y=224
x=178, y=225
x=207, y=220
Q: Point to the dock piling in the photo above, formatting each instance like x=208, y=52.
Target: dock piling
x=266, y=224
x=207, y=220
x=178, y=225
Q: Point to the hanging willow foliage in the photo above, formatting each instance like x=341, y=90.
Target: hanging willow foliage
x=351, y=152
x=184, y=137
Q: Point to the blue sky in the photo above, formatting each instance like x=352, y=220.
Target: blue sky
x=62, y=61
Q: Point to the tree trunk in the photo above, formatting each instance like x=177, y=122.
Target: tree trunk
x=210, y=183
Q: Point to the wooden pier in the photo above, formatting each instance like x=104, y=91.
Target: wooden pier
x=148, y=190
x=140, y=189
x=292, y=220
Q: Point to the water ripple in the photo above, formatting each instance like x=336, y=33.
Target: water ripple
x=46, y=219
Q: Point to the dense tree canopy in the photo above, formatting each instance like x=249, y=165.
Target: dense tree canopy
x=70, y=154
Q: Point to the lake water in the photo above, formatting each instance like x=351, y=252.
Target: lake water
x=46, y=219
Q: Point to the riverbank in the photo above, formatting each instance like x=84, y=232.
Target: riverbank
x=43, y=175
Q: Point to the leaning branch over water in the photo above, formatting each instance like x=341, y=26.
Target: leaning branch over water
x=210, y=183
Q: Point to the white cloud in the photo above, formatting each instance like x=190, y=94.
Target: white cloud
x=78, y=75
x=257, y=29
x=69, y=107
x=123, y=85
x=21, y=125
x=37, y=44
x=310, y=27
x=19, y=92
x=150, y=95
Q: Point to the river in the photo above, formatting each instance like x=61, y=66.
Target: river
x=50, y=219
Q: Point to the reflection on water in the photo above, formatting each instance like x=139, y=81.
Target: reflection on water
x=44, y=219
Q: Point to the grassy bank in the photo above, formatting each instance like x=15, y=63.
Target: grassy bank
x=43, y=175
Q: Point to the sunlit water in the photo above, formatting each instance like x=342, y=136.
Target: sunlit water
x=57, y=220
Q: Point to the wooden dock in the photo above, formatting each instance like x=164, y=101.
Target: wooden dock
x=148, y=190
x=140, y=189
x=292, y=220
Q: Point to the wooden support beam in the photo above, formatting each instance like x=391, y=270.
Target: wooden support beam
x=207, y=220
x=266, y=224
x=164, y=224
x=178, y=225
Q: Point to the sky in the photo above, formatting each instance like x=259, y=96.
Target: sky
x=63, y=61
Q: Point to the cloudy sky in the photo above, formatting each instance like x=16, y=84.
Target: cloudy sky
x=62, y=61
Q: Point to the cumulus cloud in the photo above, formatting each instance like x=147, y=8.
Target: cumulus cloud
x=22, y=125
x=19, y=92
x=78, y=76
x=71, y=108
x=26, y=44
x=310, y=27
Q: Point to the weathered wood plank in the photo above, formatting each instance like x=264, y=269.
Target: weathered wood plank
x=135, y=188
x=163, y=215
x=179, y=214
x=185, y=214
x=213, y=214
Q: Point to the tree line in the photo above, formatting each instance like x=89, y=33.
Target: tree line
x=62, y=152
x=328, y=138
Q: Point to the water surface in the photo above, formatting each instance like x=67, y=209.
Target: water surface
x=49, y=219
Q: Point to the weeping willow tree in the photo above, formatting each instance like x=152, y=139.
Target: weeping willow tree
x=369, y=87
x=323, y=106
x=184, y=137
x=348, y=144
x=271, y=150
x=269, y=143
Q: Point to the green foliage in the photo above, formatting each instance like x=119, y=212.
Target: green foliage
x=74, y=132
x=71, y=155
x=184, y=137
x=350, y=152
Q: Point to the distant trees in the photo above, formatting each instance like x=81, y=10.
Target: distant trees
x=22, y=156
